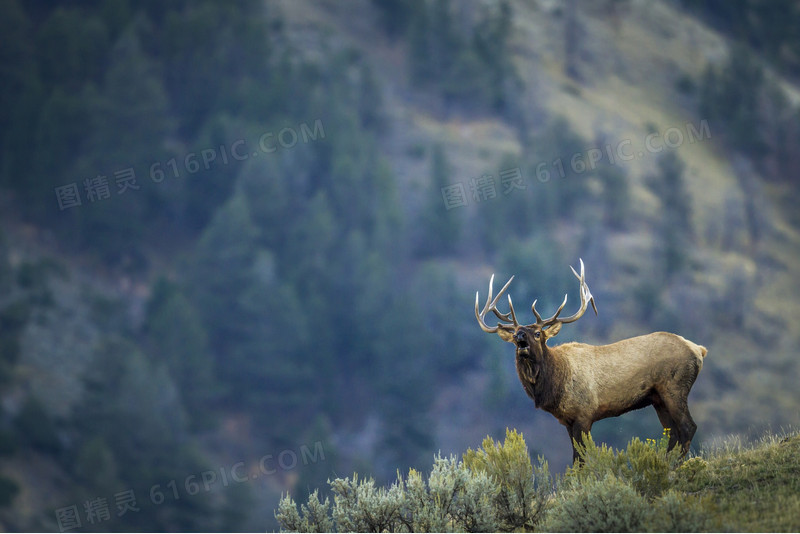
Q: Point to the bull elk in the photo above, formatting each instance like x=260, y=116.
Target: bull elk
x=580, y=384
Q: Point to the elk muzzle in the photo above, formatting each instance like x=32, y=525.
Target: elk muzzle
x=521, y=341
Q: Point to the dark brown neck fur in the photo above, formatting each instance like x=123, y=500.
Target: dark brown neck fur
x=543, y=378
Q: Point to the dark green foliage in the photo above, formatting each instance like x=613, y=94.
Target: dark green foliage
x=675, y=227
x=615, y=196
x=441, y=227
x=6, y=271
x=13, y=318
x=396, y=15
x=177, y=338
x=130, y=429
x=36, y=427
x=224, y=42
x=96, y=467
x=19, y=78
x=471, y=70
x=753, y=111
x=768, y=27
x=561, y=170
x=535, y=263
x=222, y=271
x=491, y=39
x=71, y=48
x=8, y=490
x=515, y=213
x=730, y=97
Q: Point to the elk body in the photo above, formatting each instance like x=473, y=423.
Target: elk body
x=580, y=384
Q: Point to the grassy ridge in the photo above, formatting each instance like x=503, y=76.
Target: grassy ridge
x=642, y=488
x=753, y=489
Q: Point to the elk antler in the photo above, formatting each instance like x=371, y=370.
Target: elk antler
x=586, y=298
x=509, y=318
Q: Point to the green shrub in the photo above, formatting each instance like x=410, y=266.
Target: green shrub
x=523, y=488
x=675, y=512
x=646, y=465
x=611, y=504
x=313, y=517
x=361, y=507
x=599, y=505
x=454, y=499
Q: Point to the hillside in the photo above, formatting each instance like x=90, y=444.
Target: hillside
x=754, y=488
x=640, y=488
x=262, y=264
x=631, y=61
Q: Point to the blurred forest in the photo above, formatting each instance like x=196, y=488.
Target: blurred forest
x=243, y=238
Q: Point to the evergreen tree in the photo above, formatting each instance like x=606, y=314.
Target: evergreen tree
x=274, y=362
x=396, y=15
x=730, y=96
x=675, y=226
x=131, y=426
x=129, y=121
x=491, y=43
x=441, y=226
x=174, y=330
x=615, y=196
x=420, y=45
x=222, y=271
x=71, y=47
x=264, y=183
x=560, y=168
x=19, y=99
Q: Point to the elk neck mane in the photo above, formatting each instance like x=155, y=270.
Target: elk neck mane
x=546, y=384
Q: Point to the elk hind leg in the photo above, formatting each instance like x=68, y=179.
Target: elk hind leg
x=678, y=409
x=666, y=420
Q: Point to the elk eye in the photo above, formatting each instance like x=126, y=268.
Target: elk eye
x=536, y=335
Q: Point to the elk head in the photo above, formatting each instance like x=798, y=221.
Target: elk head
x=530, y=339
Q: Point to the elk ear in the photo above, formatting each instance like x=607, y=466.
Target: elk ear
x=506, y=335
x=552, y=331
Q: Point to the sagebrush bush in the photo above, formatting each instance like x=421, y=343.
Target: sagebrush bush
x=629, y=489
x=313, y=517
x=523, y=488
x=646, y=465
x=598, y=505
x=675, y=512
x=453, y=499
x=614, y=505
x=494, y=489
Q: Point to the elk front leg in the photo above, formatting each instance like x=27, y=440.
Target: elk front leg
x=577, y=430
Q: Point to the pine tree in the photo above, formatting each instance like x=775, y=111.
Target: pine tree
x=441, y=226
x=675, y=225
x=221, y=272
x=178, y=339
x=615, y=195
